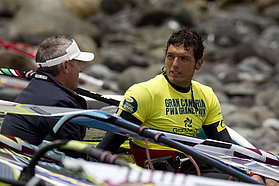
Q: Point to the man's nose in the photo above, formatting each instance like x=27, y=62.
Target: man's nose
x=175, y=61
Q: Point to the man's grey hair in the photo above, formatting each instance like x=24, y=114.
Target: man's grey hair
x=50, y=48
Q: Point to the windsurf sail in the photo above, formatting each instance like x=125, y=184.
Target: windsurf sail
x=104, y=121
x=94, y=173
x=117, y=125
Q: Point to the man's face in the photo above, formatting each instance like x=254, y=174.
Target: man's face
x=74, y=70
x=181, y=65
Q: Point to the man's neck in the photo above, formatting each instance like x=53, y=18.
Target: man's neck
x=178, y=88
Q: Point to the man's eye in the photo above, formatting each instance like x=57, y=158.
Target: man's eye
x=169, y=56
x=184, y=59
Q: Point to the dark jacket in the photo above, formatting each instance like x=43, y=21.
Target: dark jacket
x=44, y=90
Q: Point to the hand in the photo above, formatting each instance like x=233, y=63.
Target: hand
x=270, y=182
x=259, y=178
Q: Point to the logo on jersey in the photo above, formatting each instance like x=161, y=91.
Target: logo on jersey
x=188, y=122
x=130, y=104
x=221, y=126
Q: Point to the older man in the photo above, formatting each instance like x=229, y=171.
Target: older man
x=58, y=60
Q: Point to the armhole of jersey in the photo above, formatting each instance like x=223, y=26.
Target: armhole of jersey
x=223, y=134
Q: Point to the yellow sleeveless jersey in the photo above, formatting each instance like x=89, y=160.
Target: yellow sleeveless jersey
x=158, y=105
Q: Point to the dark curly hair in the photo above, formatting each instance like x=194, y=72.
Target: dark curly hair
x=187, y=37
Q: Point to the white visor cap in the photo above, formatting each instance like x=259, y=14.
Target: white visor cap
x=72, y=52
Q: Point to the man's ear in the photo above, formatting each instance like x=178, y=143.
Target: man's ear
x=65, y=66
x=199, y=64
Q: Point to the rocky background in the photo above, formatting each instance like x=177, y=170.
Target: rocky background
x=128, y=38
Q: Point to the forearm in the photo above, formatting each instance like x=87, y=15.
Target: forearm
x=111, y=141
